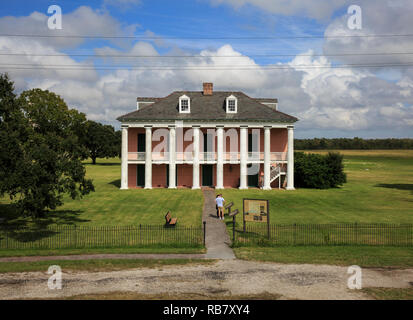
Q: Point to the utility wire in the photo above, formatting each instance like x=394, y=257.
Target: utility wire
x=204, y=38
x=164, y=68
x=201, y=56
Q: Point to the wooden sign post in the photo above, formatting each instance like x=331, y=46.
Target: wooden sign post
x=233, y=214
x=256, y=210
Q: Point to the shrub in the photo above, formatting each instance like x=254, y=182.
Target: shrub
x=318, y=171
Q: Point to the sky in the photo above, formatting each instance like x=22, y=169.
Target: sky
x=339, y=82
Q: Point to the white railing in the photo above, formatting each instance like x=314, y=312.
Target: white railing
x=140, y=156
x=231, y=156
x=184, y=156
x=207, y=156
x=278, y=156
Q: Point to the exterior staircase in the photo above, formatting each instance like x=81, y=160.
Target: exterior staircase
x=276, y=173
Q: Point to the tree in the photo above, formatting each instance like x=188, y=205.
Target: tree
x=42, y=158
x=101, y=141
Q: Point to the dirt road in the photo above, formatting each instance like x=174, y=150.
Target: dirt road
x=225, y=277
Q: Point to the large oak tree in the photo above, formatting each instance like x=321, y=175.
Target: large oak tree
x=41, y=156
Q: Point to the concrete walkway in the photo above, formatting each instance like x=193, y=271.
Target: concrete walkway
x=217, y=239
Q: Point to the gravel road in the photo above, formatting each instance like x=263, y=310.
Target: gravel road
x=225, y=277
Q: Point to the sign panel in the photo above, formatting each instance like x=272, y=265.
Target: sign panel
x=256, y=210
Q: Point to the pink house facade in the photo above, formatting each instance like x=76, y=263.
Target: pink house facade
x=191, y=139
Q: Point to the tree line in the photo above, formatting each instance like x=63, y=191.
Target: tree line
x=352, y=144
x=43, y=148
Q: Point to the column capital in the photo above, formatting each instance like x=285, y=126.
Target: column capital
x=196, y=126
x=243, y=126
x=221, y=126
x=171, y=126
x=147, y=126
x=124, y=126
x=267, y=127
x=290, y=127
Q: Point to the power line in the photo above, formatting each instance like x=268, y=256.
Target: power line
x=216, y=68
x=207, y=56
x=204, y=38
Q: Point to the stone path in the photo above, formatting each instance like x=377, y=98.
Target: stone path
x=217, y=239
x=217, y=242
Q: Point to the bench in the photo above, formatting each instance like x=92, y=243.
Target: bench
x=228, y=207
x=234, y=213
x=170, y=221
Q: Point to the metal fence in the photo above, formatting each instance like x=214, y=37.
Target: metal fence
x=61, y=237
x=326, y=234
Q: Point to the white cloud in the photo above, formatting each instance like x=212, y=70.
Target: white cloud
x=312, y=9
x=324, y=99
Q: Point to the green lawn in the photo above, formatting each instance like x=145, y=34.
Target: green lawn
x=364, y=256
x=109, y=206
x=96, y=265
x=379, y=190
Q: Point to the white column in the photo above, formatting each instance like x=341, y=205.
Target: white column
x=124, y=166
x=290, y=159
x=267, y=158
x=220, y=157
x=148, y=158
x=243, y=157
x=195, y=165
x=172, y=157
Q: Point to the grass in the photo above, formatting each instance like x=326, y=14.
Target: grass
x=55, y=252
x=363, y=256
x=109, y=206
x=96, y=265
x=390, y=293
x=379, y=190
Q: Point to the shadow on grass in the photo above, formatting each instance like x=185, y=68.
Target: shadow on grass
x=115, y=183
x=27, y=229
x=398, y=186
x=107, y=164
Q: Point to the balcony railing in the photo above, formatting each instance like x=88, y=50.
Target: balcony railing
x=208, y=156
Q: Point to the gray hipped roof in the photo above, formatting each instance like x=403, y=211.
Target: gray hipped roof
x=208, y=108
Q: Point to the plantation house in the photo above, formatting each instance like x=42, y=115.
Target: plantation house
x=208, y=138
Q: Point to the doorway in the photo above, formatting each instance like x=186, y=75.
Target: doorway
x=207, y=175
x=140, y=175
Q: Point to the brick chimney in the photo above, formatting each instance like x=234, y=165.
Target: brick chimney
x=208, y=88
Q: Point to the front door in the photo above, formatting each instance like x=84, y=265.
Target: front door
x=207, y=174
x=252, y=178
x=140, y=180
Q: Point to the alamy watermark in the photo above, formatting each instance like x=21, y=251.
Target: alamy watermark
x=55, y=280
x=355, y=21
x=354, y=281
x=55, y=20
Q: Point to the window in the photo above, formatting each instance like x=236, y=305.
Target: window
x=184, y=104
x=232, y=104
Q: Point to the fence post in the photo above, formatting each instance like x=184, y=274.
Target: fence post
x=295, y=233
x=204, y=231
x=233, y=229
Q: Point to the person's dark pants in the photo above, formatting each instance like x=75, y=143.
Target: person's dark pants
x=216, y=207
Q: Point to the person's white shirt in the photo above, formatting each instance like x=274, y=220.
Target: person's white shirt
x=220, y=201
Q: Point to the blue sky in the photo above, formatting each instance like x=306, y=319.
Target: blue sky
x=329, y=102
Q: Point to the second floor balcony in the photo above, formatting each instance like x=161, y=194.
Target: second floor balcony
x=207, y=157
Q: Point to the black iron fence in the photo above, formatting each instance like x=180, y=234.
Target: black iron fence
x=61, y=237
x=326, y=234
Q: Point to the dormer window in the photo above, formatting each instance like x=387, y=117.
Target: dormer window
x=232, y=104
x=184, y=104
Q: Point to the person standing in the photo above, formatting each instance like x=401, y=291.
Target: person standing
x=220, y=204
